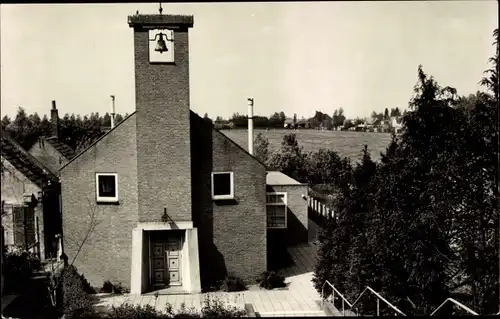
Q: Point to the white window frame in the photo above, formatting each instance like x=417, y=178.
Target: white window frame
x=231, y=179
x=106, y=199
x=285, y=198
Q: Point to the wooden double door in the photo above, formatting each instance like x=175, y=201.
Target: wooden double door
x=166, y=261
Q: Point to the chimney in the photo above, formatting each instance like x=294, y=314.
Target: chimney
x=250, y=125
x=54, y=119
x=112, y=111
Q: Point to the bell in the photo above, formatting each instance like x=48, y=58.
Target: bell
x=161, y=46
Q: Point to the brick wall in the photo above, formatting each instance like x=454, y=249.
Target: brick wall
x=106, y=255
x=232, y=235
x=297, y=220
x=163, y=143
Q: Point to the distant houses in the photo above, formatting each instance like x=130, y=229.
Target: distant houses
x=392, y=124
x=291, y=124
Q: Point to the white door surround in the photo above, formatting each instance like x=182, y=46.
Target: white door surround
x=188, y=265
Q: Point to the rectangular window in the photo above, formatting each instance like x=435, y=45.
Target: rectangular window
x=222, y=185
x=276, y=210
x=107, y=187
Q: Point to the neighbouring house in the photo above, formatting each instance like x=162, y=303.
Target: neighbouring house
x=302, y=123
x=290, y=123
x=51, y=151
x=30, y=201
x=174, y=204
x=396, y=123
x=286, y=209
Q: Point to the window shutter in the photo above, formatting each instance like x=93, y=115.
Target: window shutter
x=30, y=224
x=18, y=218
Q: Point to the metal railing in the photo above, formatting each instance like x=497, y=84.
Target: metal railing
x=351, y=305
x=379, y=298
x=472, y=312
x=344, y=300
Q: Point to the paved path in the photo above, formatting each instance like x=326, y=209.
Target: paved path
x=298, y=299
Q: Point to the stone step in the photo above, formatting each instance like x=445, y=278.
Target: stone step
x=293, y=313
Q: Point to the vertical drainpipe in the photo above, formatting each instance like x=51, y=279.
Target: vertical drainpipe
x=250, y=125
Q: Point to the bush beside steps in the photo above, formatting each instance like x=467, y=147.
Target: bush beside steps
x=270, y=280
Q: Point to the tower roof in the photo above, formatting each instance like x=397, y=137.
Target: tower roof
x=160, y=20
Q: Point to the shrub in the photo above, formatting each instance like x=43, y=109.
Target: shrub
x=215, y=308
x=183, y=312
x=128, y=311
x=108, y=287
x=75, y=300
x=233, y=283
x=270, y=280
x=86, y=285
x=18, y=268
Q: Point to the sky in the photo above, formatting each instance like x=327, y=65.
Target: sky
x=296, y=57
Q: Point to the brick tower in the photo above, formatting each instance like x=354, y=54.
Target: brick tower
x=161, y=50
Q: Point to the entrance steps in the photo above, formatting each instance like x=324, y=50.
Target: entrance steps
x=294, y=313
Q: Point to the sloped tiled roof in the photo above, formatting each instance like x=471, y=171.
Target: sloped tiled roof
x=61, y=147
x=24, y=162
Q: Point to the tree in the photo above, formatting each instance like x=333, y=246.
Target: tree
x=358, y=121
x=397, y=112
x=282, y=117
x=335, y=119
x=5, y=122
x=324, y=167
x=262, y=148
x=386, y=114
x=23, y=129
x=75, y=240
x=118, y=118
x=348, y=124
x=343, y=252
x=290, y=159
x=106, y=120
x=424, y=219
x=491, y=81
x=338, y=118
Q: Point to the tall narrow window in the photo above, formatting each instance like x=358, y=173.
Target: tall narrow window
x=107, y=187
x=276, y=210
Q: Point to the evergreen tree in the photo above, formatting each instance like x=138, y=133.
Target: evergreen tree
x=262, y=148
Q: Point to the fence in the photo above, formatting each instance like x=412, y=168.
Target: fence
x=318, y=210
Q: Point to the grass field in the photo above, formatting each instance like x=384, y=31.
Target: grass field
x=347, y=144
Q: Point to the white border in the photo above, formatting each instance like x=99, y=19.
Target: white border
x=231, y=195
x=278, y=204
x=106, y=199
